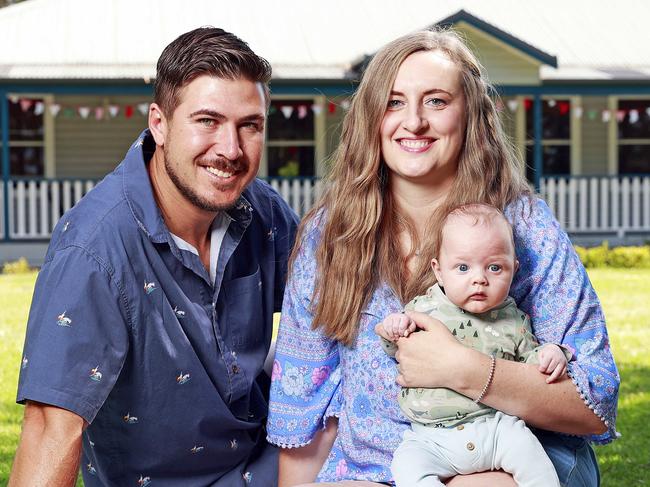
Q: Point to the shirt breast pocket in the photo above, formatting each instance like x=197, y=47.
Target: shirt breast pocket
x=244, y=310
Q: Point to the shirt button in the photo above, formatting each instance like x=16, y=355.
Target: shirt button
x=470, y=446
x=235, y=369
x=460, y=427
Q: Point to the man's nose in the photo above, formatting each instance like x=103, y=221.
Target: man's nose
x=227, y=143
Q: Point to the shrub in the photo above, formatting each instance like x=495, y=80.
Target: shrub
x=618, y=257
x=21, y=266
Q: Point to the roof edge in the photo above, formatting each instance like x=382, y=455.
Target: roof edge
x=464, y=16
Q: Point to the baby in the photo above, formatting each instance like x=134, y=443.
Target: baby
x=452, y=434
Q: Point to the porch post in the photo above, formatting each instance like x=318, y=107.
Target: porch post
x=4, y=159
x=537, y=141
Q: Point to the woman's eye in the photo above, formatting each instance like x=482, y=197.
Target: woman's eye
x=463, y=267
x=494, y=267
x=436, y=102
x=394, y=104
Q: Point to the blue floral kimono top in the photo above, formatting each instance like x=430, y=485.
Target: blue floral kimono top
x=315, y=377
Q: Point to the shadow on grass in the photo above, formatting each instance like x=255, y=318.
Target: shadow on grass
x=626, y=461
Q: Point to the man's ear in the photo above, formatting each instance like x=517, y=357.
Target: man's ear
x=516, y=267
x=158, y=124
x=435, y=265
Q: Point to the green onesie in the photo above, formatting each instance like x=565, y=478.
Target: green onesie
x=504, y=332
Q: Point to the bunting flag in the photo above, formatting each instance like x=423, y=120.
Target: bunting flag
x=39, y=108
x=345, y=104
x=577, y=112
x=606, y=116
x=512, y=105
x=317, y=109
x=143, y=108
x=128, y=111
x=55, y=108
x=287, y=110
x=25, y=104
x=113, y=110
x=302, y=111
x=99, y=113
x=331, y=108
x=634, y=116
x=84, y=112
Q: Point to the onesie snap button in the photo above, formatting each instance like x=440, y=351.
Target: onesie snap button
x=470, y=446
x=460, y=427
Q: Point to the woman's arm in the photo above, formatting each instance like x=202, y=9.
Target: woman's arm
x=516, y=389
x=300, y=465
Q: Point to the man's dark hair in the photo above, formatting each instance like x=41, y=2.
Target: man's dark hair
x=206, y=51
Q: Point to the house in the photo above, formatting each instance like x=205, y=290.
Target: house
x=573, y=80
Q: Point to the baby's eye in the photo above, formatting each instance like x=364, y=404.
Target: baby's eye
x=494, y=267
x=463, y=267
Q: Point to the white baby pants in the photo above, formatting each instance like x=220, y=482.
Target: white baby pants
x=500, y=442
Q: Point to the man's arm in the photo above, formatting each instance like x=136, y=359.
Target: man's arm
x=49, y=449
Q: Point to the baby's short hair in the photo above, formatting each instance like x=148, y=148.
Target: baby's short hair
x=479, y=214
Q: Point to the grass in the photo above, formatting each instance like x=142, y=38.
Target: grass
x=624, y=295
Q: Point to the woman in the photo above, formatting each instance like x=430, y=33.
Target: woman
x=422, y=136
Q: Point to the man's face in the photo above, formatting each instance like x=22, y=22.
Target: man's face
x=213, y=140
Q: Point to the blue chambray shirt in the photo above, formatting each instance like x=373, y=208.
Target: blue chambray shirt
x=129, y=332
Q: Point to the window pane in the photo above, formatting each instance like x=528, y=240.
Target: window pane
x=291, y=161
x=634, y=159
x=291, y=120
x=636, y=124
x=556, y=119
x=24, y=124
x=26, y=161
x=556, y=160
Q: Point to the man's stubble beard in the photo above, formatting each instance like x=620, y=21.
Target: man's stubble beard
x=188, y=192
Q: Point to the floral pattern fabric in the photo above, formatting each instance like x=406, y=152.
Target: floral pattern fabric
x=315, y=378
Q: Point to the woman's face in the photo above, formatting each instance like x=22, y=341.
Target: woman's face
x=424, y=123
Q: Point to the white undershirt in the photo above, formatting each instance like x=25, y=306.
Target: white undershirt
x=219, y=228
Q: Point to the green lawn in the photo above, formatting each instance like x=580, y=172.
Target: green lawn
x=625, y=296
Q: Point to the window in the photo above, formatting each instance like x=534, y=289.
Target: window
x=291, y=141
x=26, y=136
x=556, y=137
x=633, y=136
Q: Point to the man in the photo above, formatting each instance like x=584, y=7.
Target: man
x=152, y=315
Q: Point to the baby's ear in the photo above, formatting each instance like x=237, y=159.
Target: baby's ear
x=435, y=265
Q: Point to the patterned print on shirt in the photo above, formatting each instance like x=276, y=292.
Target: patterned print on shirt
x=142, y=481
x=179, y=312
x=130, y=419
x=91, y=470
x=248, y=477
x=149, y=287
x=24, y=363
x=63, y=320
x=196, y=449
x=183, y=378
x=95, y=374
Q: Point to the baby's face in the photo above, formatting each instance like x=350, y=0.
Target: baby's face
x=476, y=263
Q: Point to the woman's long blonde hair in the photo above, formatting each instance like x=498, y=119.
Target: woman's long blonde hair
x=359, y=248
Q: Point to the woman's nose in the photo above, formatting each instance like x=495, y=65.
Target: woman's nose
x=414, y=121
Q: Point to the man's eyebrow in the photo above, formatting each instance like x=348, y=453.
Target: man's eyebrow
x=254, y=117
x=208, y=112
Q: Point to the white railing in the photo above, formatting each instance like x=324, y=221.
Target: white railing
x=599, y=204
x=35, y=206
x=607, y=205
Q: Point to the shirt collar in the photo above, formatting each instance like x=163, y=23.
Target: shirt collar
x=139, y=193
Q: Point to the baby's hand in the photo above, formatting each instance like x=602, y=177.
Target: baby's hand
x=398, y=325
x=552, y=362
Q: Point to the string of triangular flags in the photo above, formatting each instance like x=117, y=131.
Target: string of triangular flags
x=564, y=107
x=112, y=110
x=98, y=112
x=301, y=109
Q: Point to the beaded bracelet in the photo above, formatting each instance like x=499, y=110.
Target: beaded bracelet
x=489, y=380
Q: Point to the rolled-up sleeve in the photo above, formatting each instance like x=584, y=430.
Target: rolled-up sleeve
x=552, y=286
x=76, y=336
x=306, y=377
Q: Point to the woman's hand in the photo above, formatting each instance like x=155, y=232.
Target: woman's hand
x=427, y=357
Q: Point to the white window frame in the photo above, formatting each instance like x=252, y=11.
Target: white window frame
x=318, y=142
